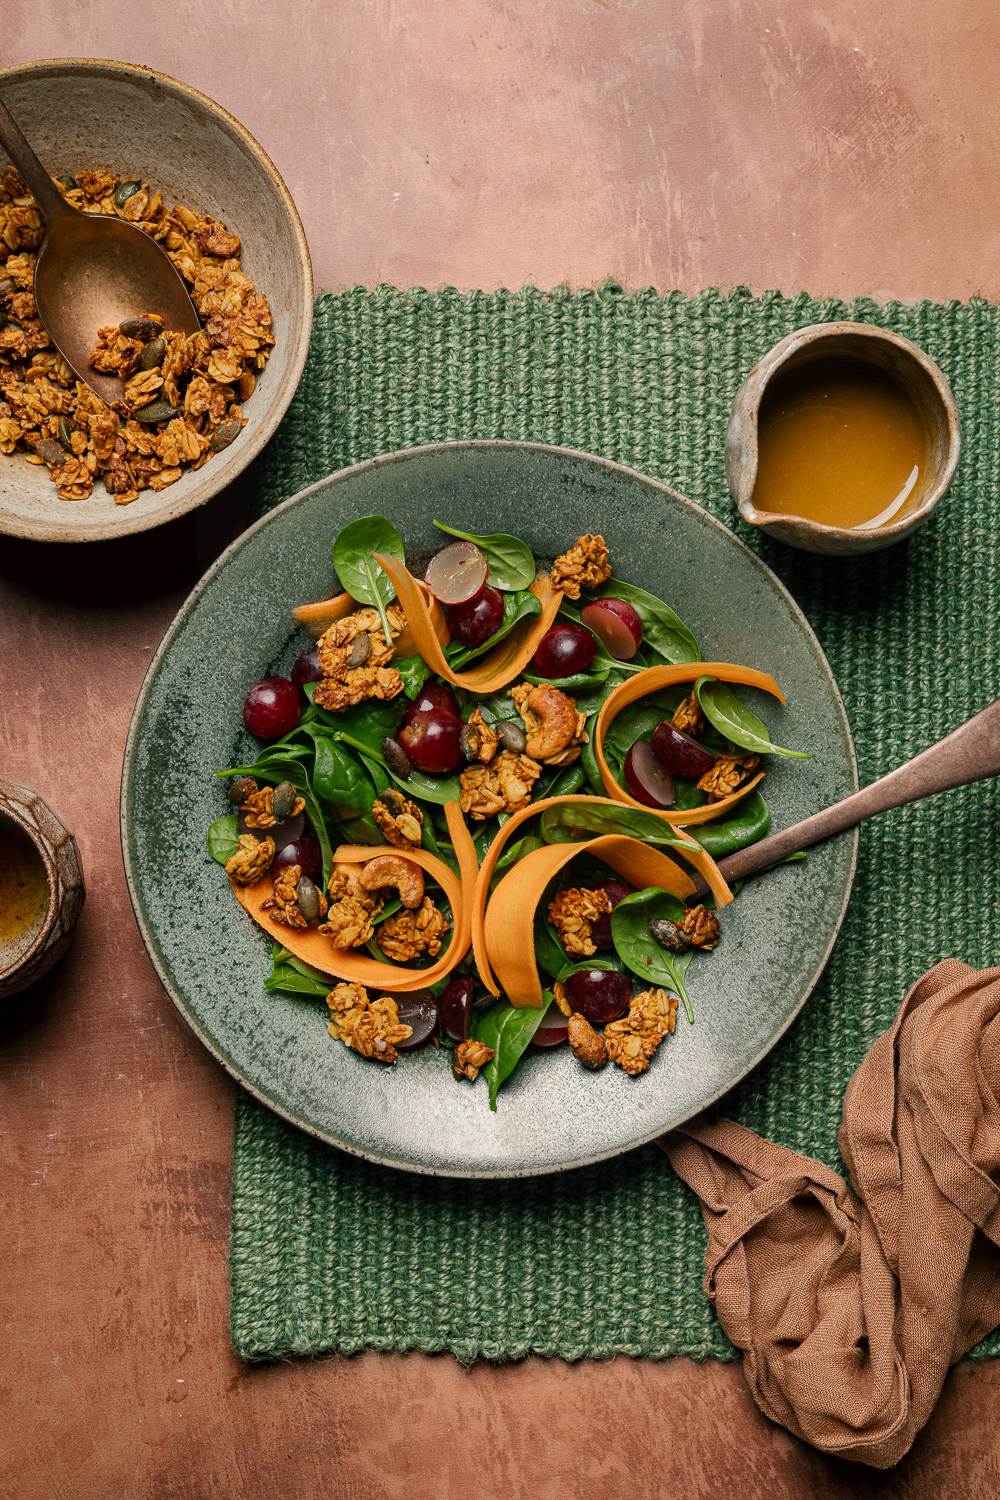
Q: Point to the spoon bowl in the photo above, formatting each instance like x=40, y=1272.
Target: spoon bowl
x=93, y=271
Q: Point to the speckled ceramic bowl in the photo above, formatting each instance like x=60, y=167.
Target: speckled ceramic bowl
x=213, y=961
x=81, y=112
x=29, y=960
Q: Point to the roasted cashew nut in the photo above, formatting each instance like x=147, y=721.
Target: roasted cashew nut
x=393, y=870
x=551, y=721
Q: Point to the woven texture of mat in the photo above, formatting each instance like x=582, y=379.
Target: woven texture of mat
x=329, y=1253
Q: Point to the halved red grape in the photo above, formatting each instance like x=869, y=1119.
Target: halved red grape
x=475, y=621
x=679, y=753
x=433, y=695
x=553, y=1028
x=456, y=573
x=599, y=994
x=455, y=1007
x=563, y=650
x=304, y=852
x=600, y=931
x=617, y=625
x=432, y=741
x=418, y=1009
x=272, y=707
x=307, y=668
x=646, y=779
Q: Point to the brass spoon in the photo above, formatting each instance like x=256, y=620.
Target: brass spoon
x=93, y=270
x=969, y=753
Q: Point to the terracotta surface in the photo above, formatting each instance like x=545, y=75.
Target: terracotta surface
x=843, y=149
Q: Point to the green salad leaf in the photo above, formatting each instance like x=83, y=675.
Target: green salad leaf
x=638, y=949
x=355, y=565
x=748, y=822
x=739, y=724
x=562, y=825
x=222, y=838
x=511, y=562
x=507, y=1029
x=292, y=976
x=414, y=672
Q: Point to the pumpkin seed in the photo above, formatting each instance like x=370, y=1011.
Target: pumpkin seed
x=140, y=328
x=7, y=285
x=66, y=434
x=247, y=383
x=283, y=801
x=240, y=788
x=361, y=649
x=511, y=736
x=667, y=934
x=223, y=436
x=466, y=743
x=307, y=898
x=152, y=354
x=156, y=411
x=69, y=183
x=126, y=190
x=51, y=452
x=396, y=757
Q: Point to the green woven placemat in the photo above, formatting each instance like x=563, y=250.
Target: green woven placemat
x=329, y=1253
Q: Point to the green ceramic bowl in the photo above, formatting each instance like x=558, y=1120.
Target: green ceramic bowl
x=236, y=627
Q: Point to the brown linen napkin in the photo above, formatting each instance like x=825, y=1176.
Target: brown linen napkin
x=850, y=1306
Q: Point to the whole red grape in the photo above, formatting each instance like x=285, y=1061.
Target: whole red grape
x=474, y=622
x=599, y=994
x=304, y=852
x=307, y=667
x=433, y=695
x=432, y=741
x=272, y=707
x=564, y=650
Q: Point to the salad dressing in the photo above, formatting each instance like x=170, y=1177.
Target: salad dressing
x=24, y=889
x=840, y=442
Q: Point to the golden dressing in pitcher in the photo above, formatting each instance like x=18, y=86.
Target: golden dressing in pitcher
x=24, y=889
x=840, y=442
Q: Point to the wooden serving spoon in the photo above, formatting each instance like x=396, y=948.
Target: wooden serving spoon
x=93, y=270
x=970, y=753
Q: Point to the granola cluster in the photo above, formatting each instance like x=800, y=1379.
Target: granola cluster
x=410, y=934
x=468, y=1057
x=585, y=565
x=573, y=913
x=553, y=725
x=294, y=901
x=400, y=820
x=355, y=657
x=586, y=1044
x=687, y=716
x=257, y=807
x=183, y=395
x=351, y=913
x=371, y=1028
x=503, y=786
x=632, y=1041
x=479, y=740
x=728, y=773
x=699, y=928
x=252, y=859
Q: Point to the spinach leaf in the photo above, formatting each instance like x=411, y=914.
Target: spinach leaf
x=638, y=949
x=739, y=724
x=558, y=825
x=516, y=607
x=746, y=824
x=592, y=680
x=662, y=629
x=414, y=672
x=516, y=851
x=510, y=561
x=569, y=780
x=550, y=955
x=222, y=838
x=367, y=723
x=342, y=784
x=507, y=1029
x=419, y=784
x=355, y=566
x=495, y=709
x=290, y=975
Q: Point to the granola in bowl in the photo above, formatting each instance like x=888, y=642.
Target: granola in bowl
x=182, y=396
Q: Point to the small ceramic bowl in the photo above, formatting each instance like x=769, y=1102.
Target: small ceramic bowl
x=914, y=370
x=24, y=962
x=80, y=112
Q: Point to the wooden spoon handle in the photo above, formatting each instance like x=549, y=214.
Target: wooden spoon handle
x=51, y=201
x=970, y=753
